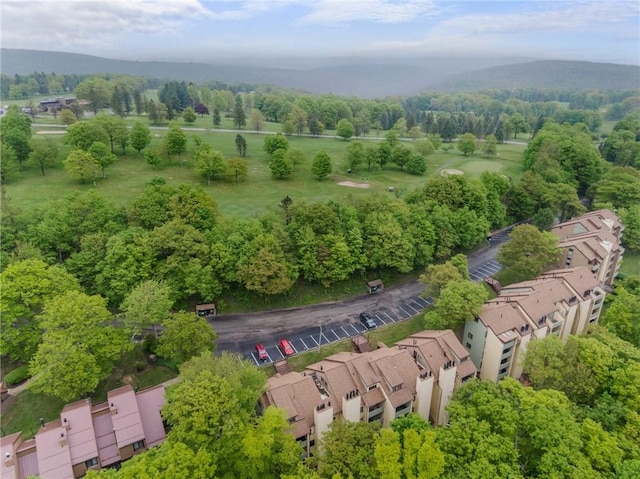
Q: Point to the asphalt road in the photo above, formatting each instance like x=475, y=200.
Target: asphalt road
x=308, y=327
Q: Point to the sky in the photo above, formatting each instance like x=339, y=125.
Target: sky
x=201, y=30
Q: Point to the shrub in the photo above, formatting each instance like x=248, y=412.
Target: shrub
x=17, y=376
x=140, y=366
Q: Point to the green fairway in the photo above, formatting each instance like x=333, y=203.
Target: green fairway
x=259, y=191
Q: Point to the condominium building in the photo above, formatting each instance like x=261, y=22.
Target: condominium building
x=416, y=375
x=592, y=240
x=560, y=302
x=88, y=436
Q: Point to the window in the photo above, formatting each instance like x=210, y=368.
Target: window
x=396, y=388
x=468, y=346
x=504, y=370
x=469, y=335
x=312, y=443
x=91, y=462
x=138, y=445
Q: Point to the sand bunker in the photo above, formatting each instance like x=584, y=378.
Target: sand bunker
x=51, y=132
x=451, y=171
x=353, y=184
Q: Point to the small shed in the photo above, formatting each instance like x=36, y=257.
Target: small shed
x=205, y=310
x=375, y=286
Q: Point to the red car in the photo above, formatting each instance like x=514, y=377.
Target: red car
x=285, y=347
x=261, y=352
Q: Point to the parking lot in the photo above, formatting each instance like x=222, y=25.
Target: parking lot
x=313, y=338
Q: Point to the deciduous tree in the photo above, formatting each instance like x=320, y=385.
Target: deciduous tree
x=101, y=155
x=276, y=142
x=85, y=133
x=466, y=143
x=78, y=348
x=257, y=120
x=321, y=167
x=459, y=301
x=528, y=253
x=148, y=304
x=279, y=165
x=209, y=162
x=189, y=115
x=81, y=165
x=139, y=136
x=185, y=335
x=175, y=140
x=345, y=129
x=26, y=286
x=239, y=167
x=44, y=154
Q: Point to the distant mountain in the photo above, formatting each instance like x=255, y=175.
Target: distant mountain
x=546, y=74
x=357, y=76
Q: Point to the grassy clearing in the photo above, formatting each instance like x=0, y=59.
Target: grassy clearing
x=630, y=264
x=259, y=192
x=25, y=414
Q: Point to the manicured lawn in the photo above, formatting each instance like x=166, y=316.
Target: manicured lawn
x=259, y=192
x=25, y=414
x=630, y=264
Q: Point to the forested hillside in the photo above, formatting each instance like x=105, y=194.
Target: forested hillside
x=548, y=74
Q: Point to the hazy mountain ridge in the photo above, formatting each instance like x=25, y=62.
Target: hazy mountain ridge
x=358, y=76
x=547, y=74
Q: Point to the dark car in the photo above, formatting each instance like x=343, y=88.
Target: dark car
x=261, y=352
x=367, y=320
x=285, y=347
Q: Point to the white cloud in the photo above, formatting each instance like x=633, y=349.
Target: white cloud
x=543, y=16
x=382, y=11
x=59, y=24
x=528, y=32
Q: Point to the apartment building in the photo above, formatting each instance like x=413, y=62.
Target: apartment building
x=560, y=302
x=416, y=375
x=592, y=240
x=88, y=436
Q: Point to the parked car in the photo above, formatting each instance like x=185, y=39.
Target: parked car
x=367, y=321
x=261, y=352
x=285, y=347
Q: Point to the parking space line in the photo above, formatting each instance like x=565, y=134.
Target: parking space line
x=269, y=356
x=282, y=355
x=334, y=333
x=305, y=344
x=325, y=338
x=294, y=348
x=255, y=360
x=356, y=329
x=411, y=307
x=420, y=307
x=420, y=300
x=314, y=340
x=383, y=321
x=392, y=320
x=345, y=331
x=404, y=311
